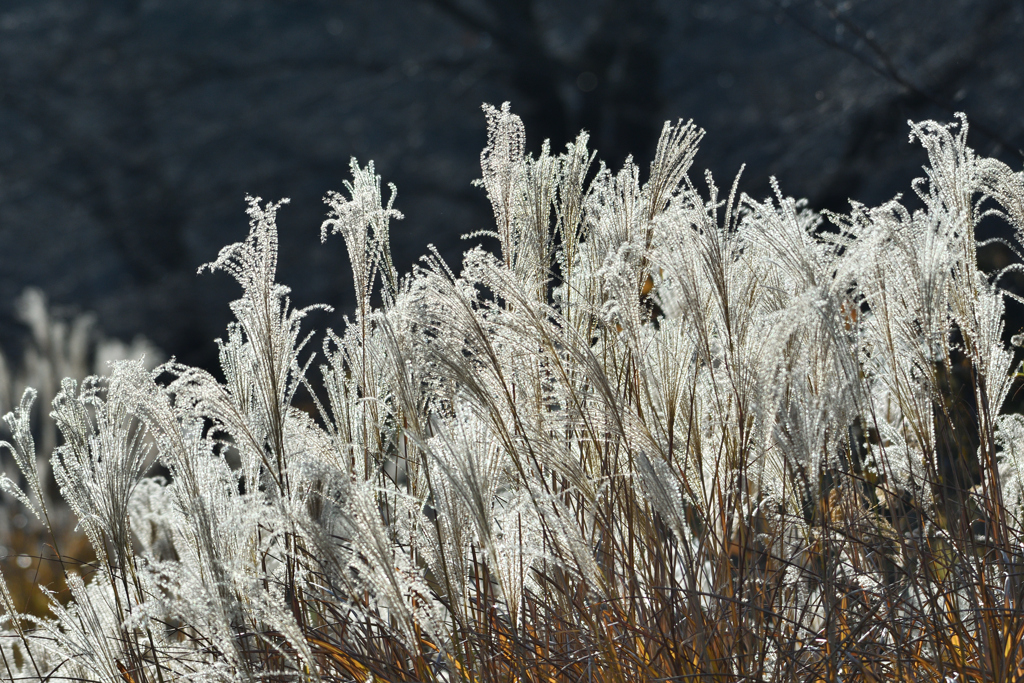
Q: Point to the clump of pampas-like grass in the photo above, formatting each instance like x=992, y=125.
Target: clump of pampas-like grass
x=662, y=434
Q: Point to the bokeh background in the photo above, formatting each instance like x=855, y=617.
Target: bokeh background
x=131, y=130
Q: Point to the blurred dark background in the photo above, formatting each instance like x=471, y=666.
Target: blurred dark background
x=131, y=130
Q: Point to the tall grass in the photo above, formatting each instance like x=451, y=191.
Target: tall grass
x=662, y=434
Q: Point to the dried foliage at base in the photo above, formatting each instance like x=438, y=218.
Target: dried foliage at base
x=661, y=435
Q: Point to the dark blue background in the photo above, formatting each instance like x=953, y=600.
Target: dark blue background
x=131, y=131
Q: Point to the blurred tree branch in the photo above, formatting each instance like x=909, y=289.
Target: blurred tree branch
x=870, y=52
